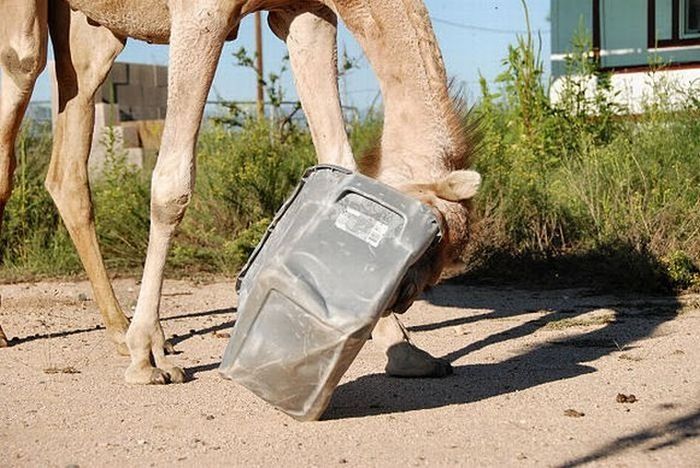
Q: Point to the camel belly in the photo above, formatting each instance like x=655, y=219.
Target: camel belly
x=145, y=20
x=149, y=20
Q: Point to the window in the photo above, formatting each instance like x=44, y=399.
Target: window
x=691, y=18
x=673, y=23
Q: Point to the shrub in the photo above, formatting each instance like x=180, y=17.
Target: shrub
x=582, y=175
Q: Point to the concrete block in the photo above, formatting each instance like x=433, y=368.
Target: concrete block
x=151, y=97
x=125, y=114
x=106, y=93
x=162, y=97
x=151, y=113
x=142, y=75
x=129, y=95
x=129, y=136
x=134, y=157
x=150, y=133
x=103, y=143
x=119, y=73
x=161, y=76
x=144, y=113
x=106, y=115
x=137, y=112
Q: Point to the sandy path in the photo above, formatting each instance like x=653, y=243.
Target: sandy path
x=522, y=359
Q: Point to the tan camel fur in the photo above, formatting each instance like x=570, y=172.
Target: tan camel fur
x=422, y=148
x=23, y=41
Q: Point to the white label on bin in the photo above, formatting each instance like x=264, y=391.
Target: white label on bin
x=361, y=226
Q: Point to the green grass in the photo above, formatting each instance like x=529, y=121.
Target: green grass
x=572, y=185
x=566, y=323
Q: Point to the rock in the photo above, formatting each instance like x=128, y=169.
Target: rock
x=622, y=398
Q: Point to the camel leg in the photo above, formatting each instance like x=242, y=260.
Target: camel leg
x=197, y=36
x=311, y=40
x=84, y=55
x=22, y=58
x=404, y=358
x=23, y=42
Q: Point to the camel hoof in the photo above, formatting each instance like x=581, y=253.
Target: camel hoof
x=3, y=342
x=117, y=335
x=176, y=375
x=169, y=348
x=122, y=349
x=154, y=375
x=159, y=377
x=405, y=360
x=146, y=376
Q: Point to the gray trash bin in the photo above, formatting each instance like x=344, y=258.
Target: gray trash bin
x=329, y=265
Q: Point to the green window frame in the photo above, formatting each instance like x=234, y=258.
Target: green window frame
x=684, y=24
x=690, y=19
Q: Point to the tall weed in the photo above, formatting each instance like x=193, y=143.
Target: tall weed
x=583, y=175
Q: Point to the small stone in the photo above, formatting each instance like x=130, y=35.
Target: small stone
x=622, y=398
x=82, y=297
x=61, y=370
x=572, y=413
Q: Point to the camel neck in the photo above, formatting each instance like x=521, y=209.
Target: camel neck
x=420, y=138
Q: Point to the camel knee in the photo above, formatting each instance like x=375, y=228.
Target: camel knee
x=21, y=66
x=169, y=199
x=23, y=62
x=71, y=195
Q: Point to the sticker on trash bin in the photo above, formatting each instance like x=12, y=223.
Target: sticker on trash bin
x=361, y=226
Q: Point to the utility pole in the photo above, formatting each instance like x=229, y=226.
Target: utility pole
x=259, y=65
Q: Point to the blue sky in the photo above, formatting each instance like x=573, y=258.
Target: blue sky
x=473, y=35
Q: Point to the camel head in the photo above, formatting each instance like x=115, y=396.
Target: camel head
x=429, y=160
x=449, y=198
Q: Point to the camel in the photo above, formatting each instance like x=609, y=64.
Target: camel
x=422, y=151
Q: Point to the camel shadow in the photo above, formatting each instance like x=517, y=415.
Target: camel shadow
x=175, y=339
x=670, y=434
x=547, y=362
x=226, y=325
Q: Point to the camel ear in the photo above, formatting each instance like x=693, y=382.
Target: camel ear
x=458, y=186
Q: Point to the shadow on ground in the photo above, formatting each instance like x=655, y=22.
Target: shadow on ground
x=550, y=361
x=227, y=325
x=174, y=340
x=670, y=434
x=614, y=267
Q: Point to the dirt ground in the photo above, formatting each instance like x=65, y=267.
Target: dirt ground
x=537, y=381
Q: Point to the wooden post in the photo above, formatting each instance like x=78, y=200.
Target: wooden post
x=259, y=65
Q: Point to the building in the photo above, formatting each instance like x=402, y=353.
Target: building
x=130, y=109
x=638, y=41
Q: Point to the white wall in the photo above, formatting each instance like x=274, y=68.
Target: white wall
x=633, y=90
